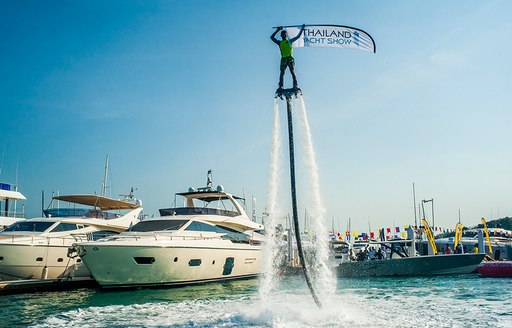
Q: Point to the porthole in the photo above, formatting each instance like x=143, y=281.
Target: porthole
x=213, y=262
x=60, y=259
x=1, y=258
x=78, y=261
x=39, y=259
x=194, y=262
x=175, y=259
x=144, y=260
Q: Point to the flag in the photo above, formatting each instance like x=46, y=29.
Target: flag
x=388, y=230
x=331, y=36
x=381, y=234
x=397, y=229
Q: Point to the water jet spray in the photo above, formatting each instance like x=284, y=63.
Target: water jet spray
x=287, y=94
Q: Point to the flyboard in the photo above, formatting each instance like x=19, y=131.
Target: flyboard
x=288, y=94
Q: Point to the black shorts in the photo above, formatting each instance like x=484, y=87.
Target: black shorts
x=286, y=61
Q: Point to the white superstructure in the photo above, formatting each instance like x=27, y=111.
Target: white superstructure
x=37, y=248
x=9, y=214
x=210, y=238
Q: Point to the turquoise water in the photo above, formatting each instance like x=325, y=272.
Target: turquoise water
x=455, y=301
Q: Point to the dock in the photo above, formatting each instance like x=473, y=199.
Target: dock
x=46, y=285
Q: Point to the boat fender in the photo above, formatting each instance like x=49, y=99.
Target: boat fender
x=44, y=274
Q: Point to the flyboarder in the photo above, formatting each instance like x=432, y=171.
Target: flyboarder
x=285, y=45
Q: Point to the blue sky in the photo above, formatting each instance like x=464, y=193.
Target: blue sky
x=171, y=89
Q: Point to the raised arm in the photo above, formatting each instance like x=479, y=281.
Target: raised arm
x=273, y=36
x=298, y=35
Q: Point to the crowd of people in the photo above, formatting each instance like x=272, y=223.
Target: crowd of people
x=369, y=253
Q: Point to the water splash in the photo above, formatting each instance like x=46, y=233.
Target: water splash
x=321, y=267
x=324, y=277
x=272, y=257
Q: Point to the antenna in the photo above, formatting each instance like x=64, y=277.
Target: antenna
x=253, y=209
x=130, y=196
x=209, y=179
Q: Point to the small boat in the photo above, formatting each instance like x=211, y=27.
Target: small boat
x=8, y=214
x=400, y=259
x=496, y=269
x=211, y=238
x=37, y=248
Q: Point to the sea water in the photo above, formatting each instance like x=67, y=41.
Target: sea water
x=443, y=301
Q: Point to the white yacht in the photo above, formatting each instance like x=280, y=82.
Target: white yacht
x=211, y=238
x=37, y=248
x=9, y=195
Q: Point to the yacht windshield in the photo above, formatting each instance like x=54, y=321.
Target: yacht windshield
x=65, y=227
x=229, y=233
x=158, y=225
x=29, y=226
x=65, y=212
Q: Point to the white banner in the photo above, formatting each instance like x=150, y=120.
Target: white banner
x=331, y=36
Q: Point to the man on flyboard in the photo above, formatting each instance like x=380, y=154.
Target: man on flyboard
x=285, y=46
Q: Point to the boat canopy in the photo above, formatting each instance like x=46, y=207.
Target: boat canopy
x=104, y=203
x=208, y=196
x=9, y=194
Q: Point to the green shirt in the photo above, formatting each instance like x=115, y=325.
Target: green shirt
x=286, y=48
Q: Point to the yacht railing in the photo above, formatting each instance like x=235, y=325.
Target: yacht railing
x=197, y=211
x=54, y=241
x=40, y=240
x=162, y=237
x=166, y=237
x=11, y=214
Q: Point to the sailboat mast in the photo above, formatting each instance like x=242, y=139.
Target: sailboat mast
x=16, y=185
x=414, y=201
x=104, y=185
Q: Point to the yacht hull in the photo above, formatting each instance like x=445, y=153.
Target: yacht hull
x=125, y=265
x=429, y=265
x=38, y=262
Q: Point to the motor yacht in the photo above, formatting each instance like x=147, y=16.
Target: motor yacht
x=9, y=195
x=210, y=238
x=398, y=258
x=37, y=248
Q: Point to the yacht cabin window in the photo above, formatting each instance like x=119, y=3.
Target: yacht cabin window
x=29, y=226
x=64, y=227
x=229, y=233
x=158, y=225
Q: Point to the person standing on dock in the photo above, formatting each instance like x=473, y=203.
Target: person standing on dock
x=285, y=46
